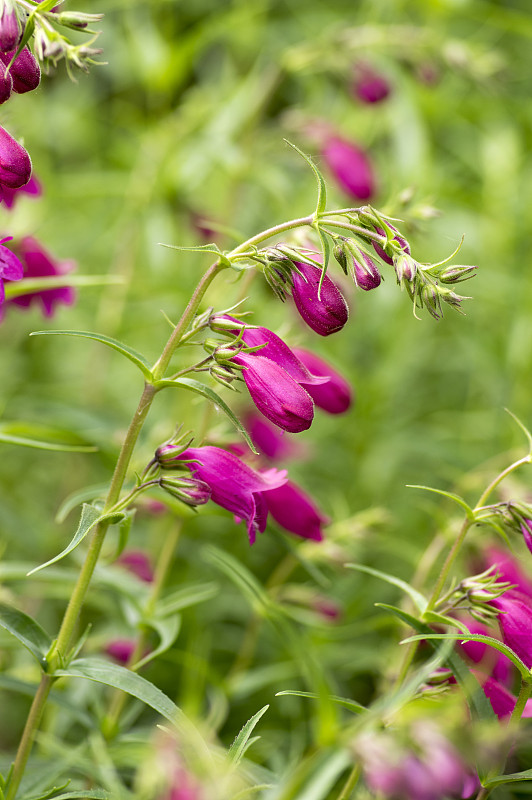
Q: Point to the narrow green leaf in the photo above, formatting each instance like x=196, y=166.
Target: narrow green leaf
x=118, y=677
x=82, y=794
x=241, y=576
x=479, y=704
x=238, y=748
x=41, y=437
x=512, y=777
x=418, y=599
x=200, y=248
x=133, y=355
x=167, y=630
x=185, y=597
x=27, y=631
x=470, y=637
x=46, y=795
x=78, y=497
x=441, y=619
x=523, y=428
x=351, y=705
x=90, y=516
x=457, y=499
x=206, y=391
x=322, y=189
x=30, y=285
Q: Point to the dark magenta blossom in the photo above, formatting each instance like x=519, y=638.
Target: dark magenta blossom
x=295, y=511
x=405, y=247
x=184, y=787
x=121, y=650
x=335, y=396
x=350, y=166
x=10, y=29
x=370, y=86
x=515, y=623
x=6, y=83
x=39, y=264
x=325, y=310
x=9, y=196
x=235, y=486
x=10, y=267
x=509, y=570
x=490, y=660
x=15, y=163
x=366, y=274
x=25, y=71
x=501, y=700
x=137, y=562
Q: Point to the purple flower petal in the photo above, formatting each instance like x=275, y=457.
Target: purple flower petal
x=325, y=312
x=335, y=396
x=294, y=510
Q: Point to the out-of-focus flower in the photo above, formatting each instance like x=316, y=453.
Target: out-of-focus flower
x=336, y=395
x=184, y=787
x=515, y=623
x=9, y=196
x=350, y=166
x=15, y=163
x=493, y=663
x=235, y=486
x=25, y=70
x=325, y=310
x=509, y=570
x=137, y=562
x=370, y=86
x=10, y=27
x=502, y=701
x=39, y=264
x=268, y=439
x=294, y=511
x=10, y=267
x=121, y=650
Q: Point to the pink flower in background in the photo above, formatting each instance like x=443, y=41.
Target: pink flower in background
x=324, y=311
x=370, y=86
x=490, y=660
x=184, y=787
x=501, y=700
x=350, y=166
x=25, y=71
x=508, y=569
x=137, y=562
x=15, y=163
x=121, y=650
x=295, y=511
x=10, y=267
x=515, y=623
x=335, y=396
x=9, y=196
x=268, y=439
x=39, y=264
x=235, y=486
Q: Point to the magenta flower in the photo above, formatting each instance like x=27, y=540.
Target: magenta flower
x=268, y=439
x=509, y=570
x=501, y=700
x=121, y=650
x=350, y=166
x=526, y=530
x=10, y=267
x=10, y=29
x=367, y=276
x=9, y=196
x=15, y=163
x=324, y=311
x=184, y=787
x=515, y=623
x=6, y=83
x=25, y=70
x=496, y=664
x=235, y=486
x=294, y=511
x=39, y=264
x=370, y=86
x=397, y=238
x=335, y=396
x=137, y=562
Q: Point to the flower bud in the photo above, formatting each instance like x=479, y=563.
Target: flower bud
x=25, y=70
x=323, y=309
x=15, y=163
x=351, y=167
x=457, y=274
x=365, y=271
x=6, y=83
x=77, y=20
x=341, y=256
x=405, y=268
x=369, y=86
x=10, y=28
x=191, y=491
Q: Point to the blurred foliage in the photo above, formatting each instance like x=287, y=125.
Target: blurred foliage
x=186, y=121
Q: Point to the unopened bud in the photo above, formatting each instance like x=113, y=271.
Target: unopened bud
x=191, y=491
x=25, y=71
x=10, y=27
x=77, y=20
x=222, y=375
x=457, y=274
x=431, y=298
x=405, y=268
x=340, y=256
x=15, y=163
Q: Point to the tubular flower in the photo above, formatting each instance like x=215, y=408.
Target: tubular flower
x=508, y=570
x=268, y=439
x=335, y=396
x=325, y=310
x=15, y=163
x=294, y=511
x=10, y=267
x=501, y=700
x=24, y=70
x=235, y=486
x=490, y=660
x=515, y=623
x=10, y=28
x=9, y=196
x=39, y=264
x=137, y=562
x=121, y=650
x=366, y=274
x=350, y=166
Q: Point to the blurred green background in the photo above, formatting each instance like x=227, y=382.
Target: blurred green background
x=186, y=120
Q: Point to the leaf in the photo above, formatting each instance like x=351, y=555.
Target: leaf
x=479, y=704
x=470, y=637
x=188, y=596
x=75, y=499
x=27, y=631
x=457, y=499
x=351, y=705
x=118, y=677
x=241, y=576
x=167, y=630
x=241, y=743
x=83, y=794
x=90, y=516
x=30, y=285
x=22, y=434
x=200, y=388
x=434, y=618
x=512, y=777
x=418, y=599
x=523, y=428
x=133, y=355
x=322, y=189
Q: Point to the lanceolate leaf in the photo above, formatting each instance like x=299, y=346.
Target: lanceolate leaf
x=457, y=499
x=90, y=516
x=185, y=597
x=417, y=597
x=80, y=496
x=27, y=631
x=242, y=741
x=82, y=794
x=512, y=777
x=206, y=391
x=118, y=677
x=133, y=355
x=167, y=630
x=41, y=437
x=351, y=705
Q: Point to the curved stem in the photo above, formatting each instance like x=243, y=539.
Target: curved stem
x=269, y=232
x=504, y=474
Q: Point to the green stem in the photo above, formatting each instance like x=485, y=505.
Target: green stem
x=350, y=783
x=269, y=232
x=504, y=474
